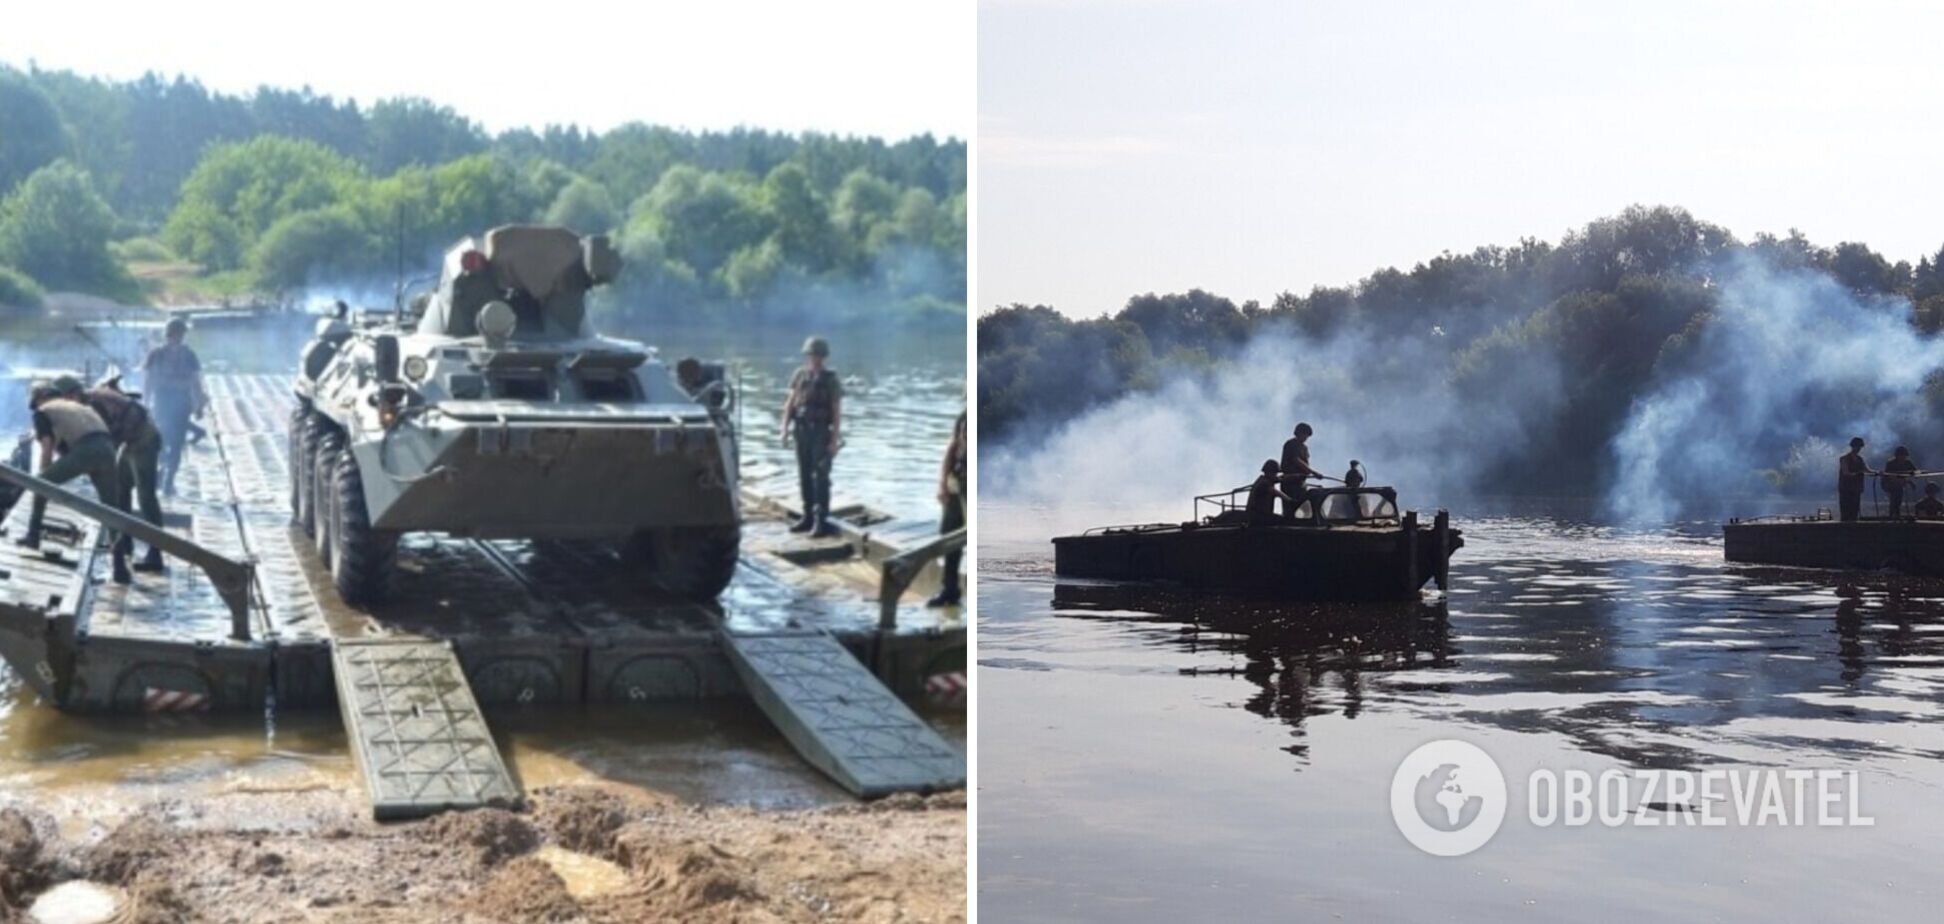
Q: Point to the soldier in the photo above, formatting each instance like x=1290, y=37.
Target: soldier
x=1851, y=471
x=140, y=446
x=1296, y=469
x=951, y=494
x=1897, y=474
x=1263, y=494
x=86, y=449
x=1930, y=508
x=813, y=416
x=175, y=391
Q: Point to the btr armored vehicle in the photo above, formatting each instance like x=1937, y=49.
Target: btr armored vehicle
x=491, y=409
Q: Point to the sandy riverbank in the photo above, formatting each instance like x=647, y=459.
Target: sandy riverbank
x=593, y=853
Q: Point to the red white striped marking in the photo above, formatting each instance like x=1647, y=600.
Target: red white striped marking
x=946, y=689
x=155, y=700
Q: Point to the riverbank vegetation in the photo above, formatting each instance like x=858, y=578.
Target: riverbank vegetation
x=160, y=189
x=1596, y=321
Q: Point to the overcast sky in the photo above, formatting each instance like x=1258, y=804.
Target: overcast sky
x=1255, y=146
x=886, y=68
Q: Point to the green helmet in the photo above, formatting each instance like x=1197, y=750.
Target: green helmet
x=816, y=346
x=68, y=385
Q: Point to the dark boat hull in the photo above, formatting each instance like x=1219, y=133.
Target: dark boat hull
x=1910, y=546
x=1375, y=562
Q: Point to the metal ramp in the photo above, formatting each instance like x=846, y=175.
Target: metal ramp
x=840, y=717
x=416, y=729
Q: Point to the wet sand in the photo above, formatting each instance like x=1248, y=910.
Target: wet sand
x=585, y=852
x=687, y=811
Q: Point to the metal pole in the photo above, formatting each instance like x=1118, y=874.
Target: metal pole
x=232, y=579
x=1410, y=554
x=1441, y=529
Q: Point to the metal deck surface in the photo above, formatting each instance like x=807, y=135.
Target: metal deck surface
x=840, y=717
x=469, y=623
x=417, y=732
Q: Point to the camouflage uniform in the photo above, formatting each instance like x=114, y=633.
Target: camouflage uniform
x=814, y=394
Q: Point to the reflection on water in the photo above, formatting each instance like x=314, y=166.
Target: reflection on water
x=1260, y=737
x=901, y=397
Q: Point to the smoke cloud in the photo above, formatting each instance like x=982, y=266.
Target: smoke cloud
x=1790, y=366
x=1383, y=399
x=1750, y=379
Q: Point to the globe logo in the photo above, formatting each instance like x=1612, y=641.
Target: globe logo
x=1442, y=802
x=1448, y=797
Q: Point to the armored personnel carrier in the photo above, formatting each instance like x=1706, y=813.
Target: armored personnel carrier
x=491, y=409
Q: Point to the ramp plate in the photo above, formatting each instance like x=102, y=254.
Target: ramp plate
x=840, y=717
x=416, y=729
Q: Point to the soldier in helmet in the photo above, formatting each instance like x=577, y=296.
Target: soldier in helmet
x=951, y=494
x=813, y=417
x=1264, y=493
x=1296, y=470
x=174, y=386
x=139, y=445
x=1851, y=472
x=85, y=448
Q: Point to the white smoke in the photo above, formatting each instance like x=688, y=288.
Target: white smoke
x=1383, y=399
x=1751, y=403
x=1790, y=362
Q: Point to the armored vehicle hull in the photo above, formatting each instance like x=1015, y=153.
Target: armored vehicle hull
x=492, y=410
x=548, y=460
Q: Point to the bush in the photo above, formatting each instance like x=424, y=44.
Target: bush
x=18, y=291
x=55, y=227
x=319, y=241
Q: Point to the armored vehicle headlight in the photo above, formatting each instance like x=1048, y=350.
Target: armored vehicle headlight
x=496, y=320
x=416, y=367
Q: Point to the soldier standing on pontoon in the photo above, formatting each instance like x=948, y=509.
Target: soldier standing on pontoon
x=175, y=390
x=1296, y=470
x=951, y=494
x=813, y=416
x=1851, y=472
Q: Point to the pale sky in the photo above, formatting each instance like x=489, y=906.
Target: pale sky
x=869, y=67
x=1250, y=147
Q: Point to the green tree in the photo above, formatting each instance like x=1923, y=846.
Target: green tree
x=19, y=293
x=701, y=218
x=864, y=201
x=804, y=234
x=411, y=131
x=307, y=246
x=584, y=206
x=752, y=270
x=253, y=184
x=31, y=133
x=55, y=228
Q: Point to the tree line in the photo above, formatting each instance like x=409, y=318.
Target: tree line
x=282, y=189
x=1611, y=303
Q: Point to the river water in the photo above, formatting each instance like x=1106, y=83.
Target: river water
x=1148, y=754
x=905, y=390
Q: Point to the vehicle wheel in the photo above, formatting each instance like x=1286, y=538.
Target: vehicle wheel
x=323, y=477
x=304, y=466
x=362, y=556
x=298, y=461
x=694, y=562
